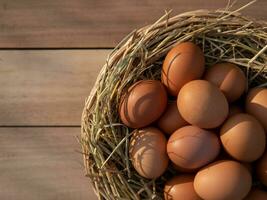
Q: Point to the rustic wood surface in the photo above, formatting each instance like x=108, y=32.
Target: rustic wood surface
x=42, y=164
x=46, y=87
x=42, y=91
x=90, y=23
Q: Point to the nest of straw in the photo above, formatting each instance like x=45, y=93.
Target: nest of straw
x=223, y=36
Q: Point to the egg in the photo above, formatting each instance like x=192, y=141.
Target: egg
x=171, y=120
x=256, y=104
x=261, y=169
x=229, y=78
x=202, y=104
x=143, y=103
x=183, y=63
x=180, y=187
x=223, y=180
x=243, y=137
x=179, y=169
x=147, y=152
x=225, y=156
x=256, y=194
x=234, y=109
x=190, y=147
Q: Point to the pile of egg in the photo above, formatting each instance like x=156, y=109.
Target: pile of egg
x=204, y=123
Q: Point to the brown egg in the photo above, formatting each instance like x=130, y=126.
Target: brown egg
x=183, y=63
x=243, y=137
x=202, y=104
x=256, y=105
x=223, y=180
x=143, y=104
x=171, y=119
x=180, y=187
x=179, y=169
x=234, y=109
x=261, y=169
x=191, y=147
x=148, y=152
x=256, y=194
x=229, y=78
x=225, y=156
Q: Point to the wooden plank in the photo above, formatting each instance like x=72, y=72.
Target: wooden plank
x=82, y=23
x=46, y=87
x=42, y=163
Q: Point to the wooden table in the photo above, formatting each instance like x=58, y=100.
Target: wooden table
x=51, y=52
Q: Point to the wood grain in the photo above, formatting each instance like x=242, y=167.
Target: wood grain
x=42, y=164
x=46, y=87
x=93, y=23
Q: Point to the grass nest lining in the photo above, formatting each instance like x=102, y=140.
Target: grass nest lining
x=222, y=35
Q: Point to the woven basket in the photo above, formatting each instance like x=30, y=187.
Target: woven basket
x=223, y=36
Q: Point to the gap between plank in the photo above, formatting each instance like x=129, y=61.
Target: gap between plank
x=56, y=48
x=40, y=126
